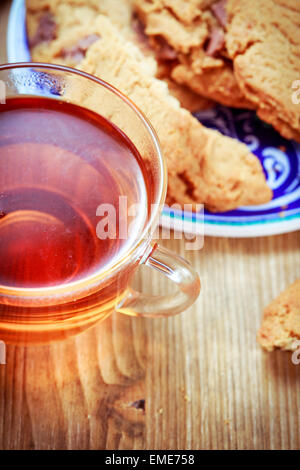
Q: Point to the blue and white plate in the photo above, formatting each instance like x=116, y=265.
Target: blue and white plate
x=280, y=159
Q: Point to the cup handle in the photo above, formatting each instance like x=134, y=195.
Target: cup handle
x=176, y=269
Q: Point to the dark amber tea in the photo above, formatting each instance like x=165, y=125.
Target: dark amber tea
x=62, y=168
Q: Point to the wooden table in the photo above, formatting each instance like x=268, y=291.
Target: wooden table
x=205, y=382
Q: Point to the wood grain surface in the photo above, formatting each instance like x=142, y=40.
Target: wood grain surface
x=204, y=381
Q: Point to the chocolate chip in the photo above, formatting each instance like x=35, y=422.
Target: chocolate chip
x=77, y=52
x=46, y=30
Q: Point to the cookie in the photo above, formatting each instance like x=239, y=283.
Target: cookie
x=263, y=41
x=203, y=166
x=189, y=36
x=281, y=320
x=239, y=53
x=70, y=14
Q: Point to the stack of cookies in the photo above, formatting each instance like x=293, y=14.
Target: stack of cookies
x=172, y=57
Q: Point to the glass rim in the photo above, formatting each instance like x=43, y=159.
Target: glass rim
x=94, y=279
